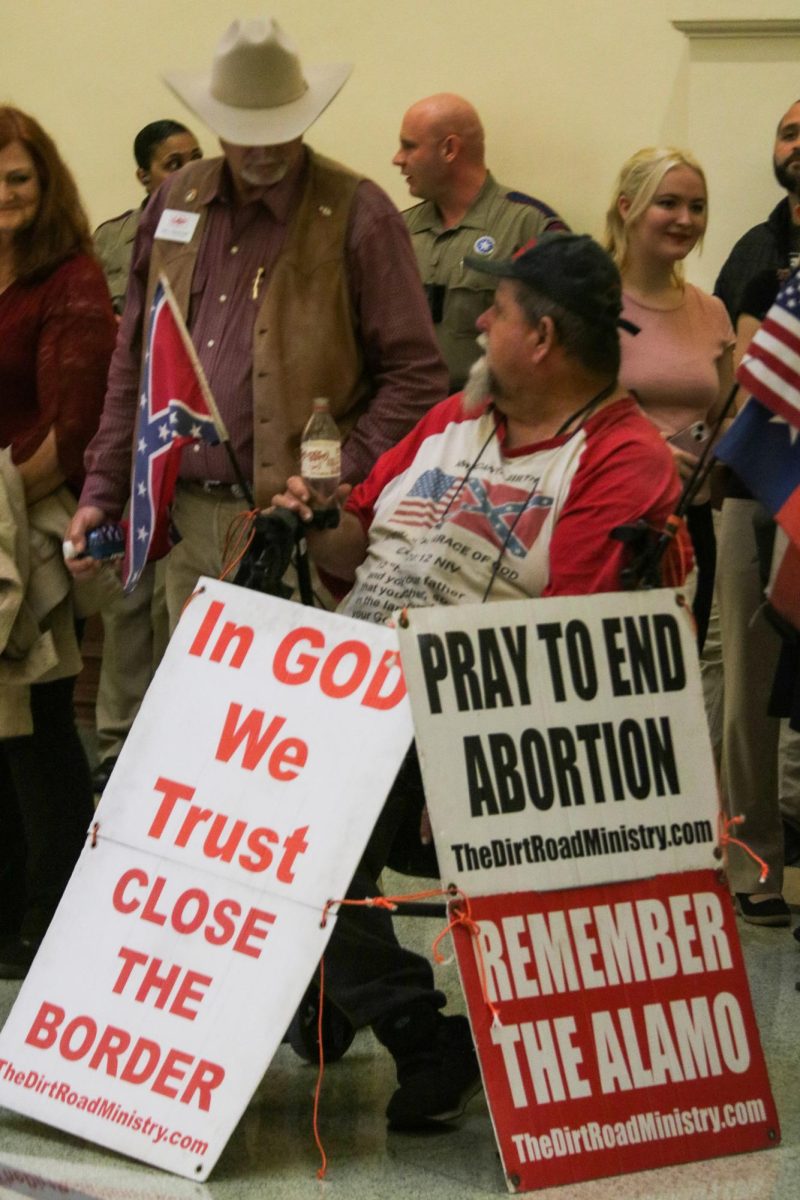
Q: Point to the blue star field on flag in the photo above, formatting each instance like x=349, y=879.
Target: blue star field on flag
x=174, y=411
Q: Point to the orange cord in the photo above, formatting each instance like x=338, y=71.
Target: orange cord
x=463, y=916
x=678, y=558
x=726, y=839
x=238, y=540
x=323, y=1167
x=459, y=916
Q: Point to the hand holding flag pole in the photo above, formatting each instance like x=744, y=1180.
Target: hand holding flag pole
x=645, y=571
x=176, y=408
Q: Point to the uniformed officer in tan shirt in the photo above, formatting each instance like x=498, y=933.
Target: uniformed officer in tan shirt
x=464, y=211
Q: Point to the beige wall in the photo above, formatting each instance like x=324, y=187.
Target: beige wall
x=566, y=90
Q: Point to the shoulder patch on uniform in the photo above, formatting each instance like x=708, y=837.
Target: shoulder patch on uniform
x=522, y=198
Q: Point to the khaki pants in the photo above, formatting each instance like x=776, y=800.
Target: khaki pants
x=750, y=737
x=135, y=635
x=203, y=520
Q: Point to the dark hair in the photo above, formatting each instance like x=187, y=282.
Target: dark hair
x=569, y=277
x=60, y=227
x=594, y=342
x=147, y=139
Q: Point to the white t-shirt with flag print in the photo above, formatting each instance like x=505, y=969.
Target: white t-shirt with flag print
x=449, y=506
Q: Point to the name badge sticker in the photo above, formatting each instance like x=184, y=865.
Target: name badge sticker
x=176, y=226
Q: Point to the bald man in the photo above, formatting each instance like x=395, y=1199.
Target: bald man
x=463, y=212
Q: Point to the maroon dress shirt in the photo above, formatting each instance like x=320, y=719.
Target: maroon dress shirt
x=241, y=244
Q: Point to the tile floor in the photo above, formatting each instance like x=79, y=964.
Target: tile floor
x=272, y=1152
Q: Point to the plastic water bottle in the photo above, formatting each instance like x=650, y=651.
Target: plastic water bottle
x=321, y=452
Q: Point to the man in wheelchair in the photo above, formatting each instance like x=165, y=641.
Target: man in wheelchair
x=509, y=490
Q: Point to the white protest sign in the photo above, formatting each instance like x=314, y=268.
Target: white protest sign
x=563, y=742
x=242, y=801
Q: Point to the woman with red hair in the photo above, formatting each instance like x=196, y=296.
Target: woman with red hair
x=56, y=336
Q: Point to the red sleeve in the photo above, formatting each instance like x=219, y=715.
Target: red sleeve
x=73, y=351
x=622, y=477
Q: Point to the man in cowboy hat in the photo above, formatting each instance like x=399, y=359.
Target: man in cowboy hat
x=296, y=278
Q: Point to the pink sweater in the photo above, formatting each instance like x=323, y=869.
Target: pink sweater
x=672, y=364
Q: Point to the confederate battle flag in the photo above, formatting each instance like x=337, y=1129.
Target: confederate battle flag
x=175, y=408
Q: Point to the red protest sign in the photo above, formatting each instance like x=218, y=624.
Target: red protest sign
x=621, y=1033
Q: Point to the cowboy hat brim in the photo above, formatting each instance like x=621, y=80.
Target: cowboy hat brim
x=260, y=126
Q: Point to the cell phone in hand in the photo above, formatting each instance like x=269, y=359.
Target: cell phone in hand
x=692, y=439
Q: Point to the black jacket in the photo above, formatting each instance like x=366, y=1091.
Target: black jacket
x=765, y=247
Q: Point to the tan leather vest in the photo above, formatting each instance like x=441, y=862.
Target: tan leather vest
x=304, y=339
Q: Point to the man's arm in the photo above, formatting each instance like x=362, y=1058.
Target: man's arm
x=394, y=329
x=108, y=455
x=339, y=552
x=630, y=480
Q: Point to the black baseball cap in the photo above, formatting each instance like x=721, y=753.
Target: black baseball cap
x=569, y=268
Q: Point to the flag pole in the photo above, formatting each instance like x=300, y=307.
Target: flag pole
x=644, y=571
x=219, y=424
x=703, y=466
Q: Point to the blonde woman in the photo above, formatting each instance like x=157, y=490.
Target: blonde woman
x=680, y=363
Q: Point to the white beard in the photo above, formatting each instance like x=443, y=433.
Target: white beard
x=264, y=174
x=478, y=385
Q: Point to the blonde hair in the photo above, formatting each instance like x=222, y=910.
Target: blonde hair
x=639, y=181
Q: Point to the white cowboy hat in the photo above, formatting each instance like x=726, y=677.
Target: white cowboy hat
x=257, y=93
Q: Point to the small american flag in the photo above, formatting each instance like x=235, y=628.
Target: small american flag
x=763, y=443
x=770, y=370
x=175, y=408
x=428, y=499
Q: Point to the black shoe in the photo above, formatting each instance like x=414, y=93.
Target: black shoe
x=102, y=774
x=16, y=955
x=437, y=1067
x=303, y=1032
x=791, y=845
x=764, y=912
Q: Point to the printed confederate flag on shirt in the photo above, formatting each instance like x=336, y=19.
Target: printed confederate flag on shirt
x=763, y=444
x=174, y=410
